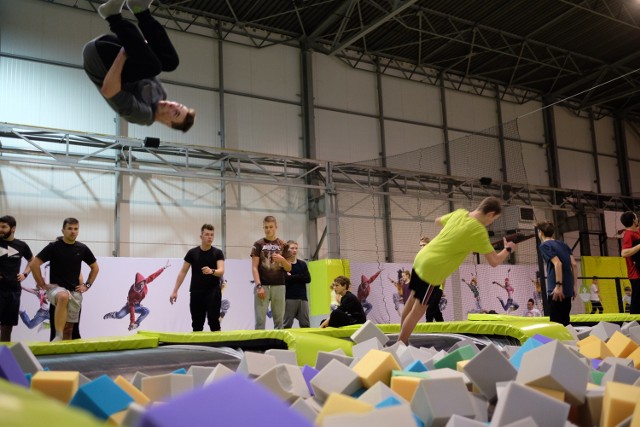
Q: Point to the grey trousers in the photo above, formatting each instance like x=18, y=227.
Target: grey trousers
x=275, y=296
x=296, y=309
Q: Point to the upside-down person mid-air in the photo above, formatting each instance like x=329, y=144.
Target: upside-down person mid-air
x=137, y=292
x=125, y=65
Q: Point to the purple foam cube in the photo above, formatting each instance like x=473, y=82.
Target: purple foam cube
x=10, y=368
x=308, y=373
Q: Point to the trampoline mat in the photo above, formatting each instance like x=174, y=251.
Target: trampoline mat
x=153, y=361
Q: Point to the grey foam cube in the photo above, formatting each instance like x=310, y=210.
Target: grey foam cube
x=133, y=415
x=480, y=406
x=584, y=332
x=136, y=380
x=200, y=374
x=335, y=377
x=302, y=407
x=621, y=374
x=379, y=392
x=437, y=399
x=82, y=380
x=573, y=332
x=516, y=401
x=286, y=381
x=523, y=422
x=399, y=415
x=608, y=362
x=25, y=358
x=634, y=334
x=459, y=421
x=283, y=356
x=628, y=325
x=394, y=350
x=360, y=349
x=604, y=330
x=323, y=358
x=219, y=372
x=487, y=368
x=254, y=364
x=555, y=367
x=589, y=413
x=626, y=422
x=369, y=330
x=163, y=387
x=463, y=343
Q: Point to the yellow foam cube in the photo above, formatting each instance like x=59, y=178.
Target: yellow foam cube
x=375, y=366
x=621, y=345
x=61, y=385
x=556, y=394
x=117, y=419
x=138, y=396
x=595, y=350
x=460, y=365
x=405, y=386
x=635, y=356
x=588, y=340
x=635, y=420
x=338, y=403
x=619, y=402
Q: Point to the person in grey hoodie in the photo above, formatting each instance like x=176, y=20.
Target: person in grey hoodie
x=125, y=65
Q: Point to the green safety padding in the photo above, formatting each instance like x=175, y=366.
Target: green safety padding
x=322, y=274
x=21, y=407
x=605, y=317
x=130, y=342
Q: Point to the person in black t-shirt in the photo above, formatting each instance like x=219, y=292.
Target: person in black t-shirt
x=350, y=311
x=65, y=257
x=206, y=294
x=12, y=251
x=296, y=303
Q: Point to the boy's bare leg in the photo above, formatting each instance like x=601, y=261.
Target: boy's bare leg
x=60, y=320
x=67, y=333
x=407, y=308
x=411, y=320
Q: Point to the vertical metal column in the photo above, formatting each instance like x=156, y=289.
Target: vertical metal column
x=331, y=211
x=221, y=133
x=622, y=155
x=122, y=128
x=503, y=155
x=308, y=138
x=386, y=210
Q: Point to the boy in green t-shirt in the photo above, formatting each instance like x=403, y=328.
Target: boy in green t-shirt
x=463, y=232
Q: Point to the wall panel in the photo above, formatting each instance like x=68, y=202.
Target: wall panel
x=346, y=137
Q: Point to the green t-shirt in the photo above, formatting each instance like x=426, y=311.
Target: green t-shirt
x=461, y=235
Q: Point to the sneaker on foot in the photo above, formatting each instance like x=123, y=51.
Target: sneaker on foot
x=111, y=315
x=57, y=338
x=110, y=8
x=133, y=326
x=137, y=6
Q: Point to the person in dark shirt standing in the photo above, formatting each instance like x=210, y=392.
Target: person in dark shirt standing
x=296, y=303
x=269, y=266
x=12, y=251
x=562, y=274
x=350, y=311
x=206, y=295
x=65, y=257
x=124, y=66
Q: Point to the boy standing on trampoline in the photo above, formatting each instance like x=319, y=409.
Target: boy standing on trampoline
x=125, y=65
x=463, y=232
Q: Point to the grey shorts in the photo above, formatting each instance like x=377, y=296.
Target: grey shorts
x=75, y=302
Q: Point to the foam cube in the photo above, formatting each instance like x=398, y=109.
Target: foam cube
x=619, y=402
x=136, y=380
x=516, y=401
x=416, y=366
x=590, y=411
x=480, y=406
x=436, y=400
x=555, y=367
x=283, y=356
x=200, y=374
x=375, y=366
x=286, y=381
x=604, y=330
x=451, y=359
x=139, y=397
x=459, y=421
x=635, y=358
x=10, y=368
x=102, y=397
x=369, y=330
x=405, y=386
x=523, y=422
x=219, y=372
x=463, y=343
x=338, y=403
x=161, y=387
x=234, y=400
x=487, y=368
x=621, y=374
x=378, y=393
x=395, y=350
x=308, y=373
x=60, y=385
x=400, y=415
x=608, y=362
x=596, y=349
x=634, y=333
x=323, y=358
x=25, y=358
x=255, y=364
x=621, y=345
x=527, y=346
x=359, y=350
x=335, y=378
x=302, y=407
